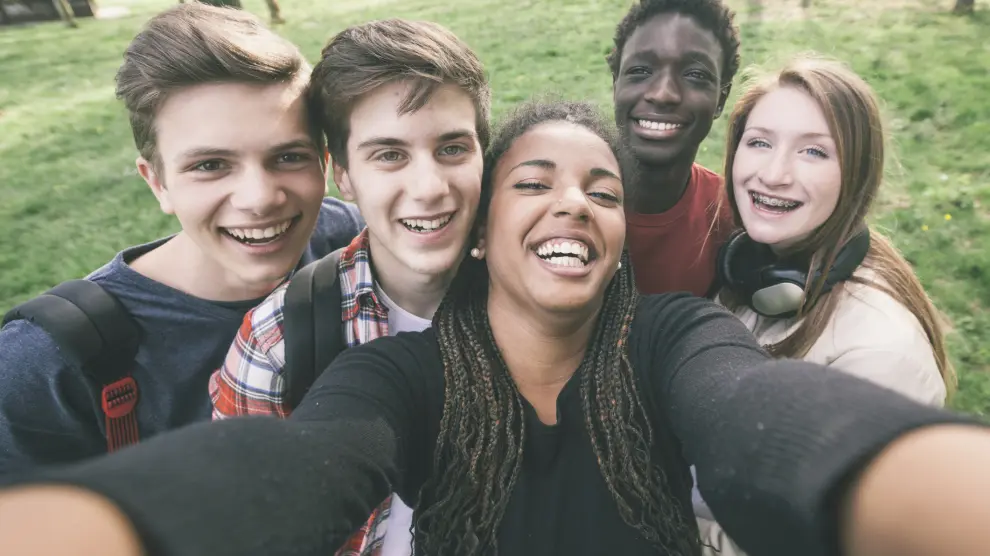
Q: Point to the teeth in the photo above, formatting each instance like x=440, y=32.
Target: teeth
x=260, y=233
x=773, y=201
x=659, y=126
x=564, y=247
x=427, y=225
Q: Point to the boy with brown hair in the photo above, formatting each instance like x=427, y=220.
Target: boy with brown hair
x=218, y=108
x=405, y=106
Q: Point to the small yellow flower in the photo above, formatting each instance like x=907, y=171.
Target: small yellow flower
x=948, y=217
x=924, y=227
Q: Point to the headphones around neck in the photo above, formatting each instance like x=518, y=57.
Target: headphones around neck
x=775, y=288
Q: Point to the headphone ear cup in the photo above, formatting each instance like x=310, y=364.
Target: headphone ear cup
x=723, y=263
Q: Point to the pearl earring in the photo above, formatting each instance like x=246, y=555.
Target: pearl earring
x=620, y=266
x=476, y=253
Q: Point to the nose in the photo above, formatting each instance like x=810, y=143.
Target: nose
x=258, y=191
x=573, y=203
x=428, y=185
x=776, y=170
x=665, y=90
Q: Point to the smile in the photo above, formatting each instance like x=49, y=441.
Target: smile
x=426, y=225
x=773, y=204
x=565, y=252
x=658, y=126
x=261, y=236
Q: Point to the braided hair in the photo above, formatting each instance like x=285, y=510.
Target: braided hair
x=479, y=450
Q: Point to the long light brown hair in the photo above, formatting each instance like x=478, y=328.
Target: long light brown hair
x=854, y=120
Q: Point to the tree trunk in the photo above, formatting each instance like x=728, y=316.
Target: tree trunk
x=65, y=12
x=223, y=3
x=963, y=7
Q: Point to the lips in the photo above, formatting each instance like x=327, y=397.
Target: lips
x=655, y=128
x=427, y=224
x=773, y=203
x=261, y=234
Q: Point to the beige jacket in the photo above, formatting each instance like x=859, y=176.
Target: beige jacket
x=871, y=335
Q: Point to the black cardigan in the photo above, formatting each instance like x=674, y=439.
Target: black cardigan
x=773, y=441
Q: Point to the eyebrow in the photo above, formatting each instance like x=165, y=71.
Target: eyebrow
x=396, y=142
x=539, y=163
x=197, y=152
x=603, y=173
x=695, y=55
x=551, y=165
x=809, y=134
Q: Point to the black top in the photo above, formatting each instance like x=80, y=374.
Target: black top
x=773, y=442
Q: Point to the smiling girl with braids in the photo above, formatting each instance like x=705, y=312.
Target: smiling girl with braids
x=550, y=410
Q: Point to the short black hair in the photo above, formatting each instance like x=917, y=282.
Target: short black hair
x=710, y=14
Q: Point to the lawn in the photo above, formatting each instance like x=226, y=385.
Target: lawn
x=70, y=197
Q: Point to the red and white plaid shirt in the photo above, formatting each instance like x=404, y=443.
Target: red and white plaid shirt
x=250, y=381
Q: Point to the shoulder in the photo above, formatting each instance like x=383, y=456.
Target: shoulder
x=408, y=351
x=403, y=374
x=876, y=337
x=339, y=217
x=264, y=322
x=706, y=177
x=873, y=316
x=668, y=319
x=675, y=305
x=30, y=362
x=23, y=341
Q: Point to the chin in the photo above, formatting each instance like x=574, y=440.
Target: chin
x=431, y=264
x=653, y=155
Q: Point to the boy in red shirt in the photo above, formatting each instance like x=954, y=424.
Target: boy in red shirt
x=672, y=71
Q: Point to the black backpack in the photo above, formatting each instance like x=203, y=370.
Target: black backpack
x=96, y=334
x=313, y=332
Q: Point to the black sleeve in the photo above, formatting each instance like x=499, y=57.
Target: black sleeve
x=774, y=441
x=259, y=485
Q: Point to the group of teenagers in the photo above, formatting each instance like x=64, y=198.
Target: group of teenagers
x=584, y=341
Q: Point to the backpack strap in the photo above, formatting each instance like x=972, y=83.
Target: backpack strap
x=314, y=335
x=96, y=334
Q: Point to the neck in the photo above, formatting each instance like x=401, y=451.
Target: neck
x=181, y=265
x=546, y=350
x=416, y=292
x=656, y=189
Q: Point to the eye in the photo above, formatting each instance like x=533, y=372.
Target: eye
x=605, y=196
x=453, y=150
x=530, y=185
x=389, y=156
x=698, y=74
x=758, y=143
x=214, y=165
x=637, y=72
x=817, y=152
x=293, y=158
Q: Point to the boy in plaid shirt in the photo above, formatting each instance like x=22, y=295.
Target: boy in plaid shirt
x=405, y=108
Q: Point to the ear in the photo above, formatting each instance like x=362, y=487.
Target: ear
x=722, y=98
x=156, y=183
x=343, y=181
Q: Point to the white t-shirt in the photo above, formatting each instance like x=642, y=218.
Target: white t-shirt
x=398, y=539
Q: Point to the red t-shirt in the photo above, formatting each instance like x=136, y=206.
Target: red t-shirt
x=672, y=251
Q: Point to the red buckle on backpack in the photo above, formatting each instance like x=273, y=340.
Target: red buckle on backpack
x=119, y=400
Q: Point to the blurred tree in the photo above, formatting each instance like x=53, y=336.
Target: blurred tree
x=963, y=7
x=221, y=3
x=65, y=12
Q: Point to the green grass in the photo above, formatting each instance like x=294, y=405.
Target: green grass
x=70, y=197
